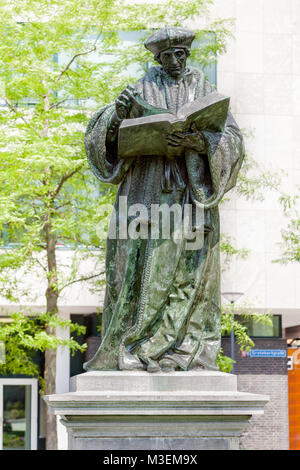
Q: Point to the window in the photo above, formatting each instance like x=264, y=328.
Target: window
x=128, y=39
x=18, y=415
x=262, y=330
x=92, y=337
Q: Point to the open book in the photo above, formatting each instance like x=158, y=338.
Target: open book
x=146, y=135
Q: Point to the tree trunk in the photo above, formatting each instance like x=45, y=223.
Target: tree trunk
x=50, y=369
x=50, y=354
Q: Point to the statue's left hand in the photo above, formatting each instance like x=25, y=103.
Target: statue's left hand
x=191, y=140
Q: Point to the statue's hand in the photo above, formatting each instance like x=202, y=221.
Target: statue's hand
x=124, y=103
x=191, y=140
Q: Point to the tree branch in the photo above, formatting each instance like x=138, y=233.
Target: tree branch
x=36, y=260
x=54, y=105
x=45, y=129
x=68, y=203
x=63, y=179
x=81, y=279
x=72, y=60
x=12, y=108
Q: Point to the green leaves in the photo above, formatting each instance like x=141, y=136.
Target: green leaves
x=59, y=61
x=242, y=338
x=224, y=362
x=290, y=236
x=23, y=336
x=228, y=250
x=254, y=180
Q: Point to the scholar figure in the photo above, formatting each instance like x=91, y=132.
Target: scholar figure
x=162, y=302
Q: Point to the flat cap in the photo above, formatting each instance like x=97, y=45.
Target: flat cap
x=169, y=37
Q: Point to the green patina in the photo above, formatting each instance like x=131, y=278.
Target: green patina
x=162, y=303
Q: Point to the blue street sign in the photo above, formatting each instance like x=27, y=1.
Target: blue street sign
x=266, y=353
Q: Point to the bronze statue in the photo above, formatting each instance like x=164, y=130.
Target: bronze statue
x=162, y=303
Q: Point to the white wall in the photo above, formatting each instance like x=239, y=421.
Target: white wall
x=76, y=298
x=62, y=380
x=261, y=72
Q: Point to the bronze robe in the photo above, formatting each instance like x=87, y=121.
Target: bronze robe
x=163, y=301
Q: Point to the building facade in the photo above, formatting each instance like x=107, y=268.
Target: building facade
x=261, y=74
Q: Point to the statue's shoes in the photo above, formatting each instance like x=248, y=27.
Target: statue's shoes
x=130, y=362
x=152, y=366
x=167, y=365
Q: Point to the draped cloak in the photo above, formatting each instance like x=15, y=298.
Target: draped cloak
x=162, y=300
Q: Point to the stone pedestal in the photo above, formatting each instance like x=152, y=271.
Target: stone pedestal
x=163, y=411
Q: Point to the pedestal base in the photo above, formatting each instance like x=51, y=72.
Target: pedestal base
x=165, y=411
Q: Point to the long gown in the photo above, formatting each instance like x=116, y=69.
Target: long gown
x=163, y=301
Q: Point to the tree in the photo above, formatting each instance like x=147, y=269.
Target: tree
x=242, y=338
x=254, y=183
x=49, y=87
x=24, y=336
x=290, y=236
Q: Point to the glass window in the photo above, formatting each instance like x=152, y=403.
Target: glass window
x=128, y=39
x=210, y=70
x=260, y=329
x=18, y=413
x=16, y=417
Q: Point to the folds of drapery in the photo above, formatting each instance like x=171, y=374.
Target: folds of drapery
x=105, y=169
x=192, y=288
x=225, y=151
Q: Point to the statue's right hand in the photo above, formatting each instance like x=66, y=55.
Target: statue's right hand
x=124, y=103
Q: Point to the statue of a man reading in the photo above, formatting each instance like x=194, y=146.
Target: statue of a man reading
x=162, y=302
